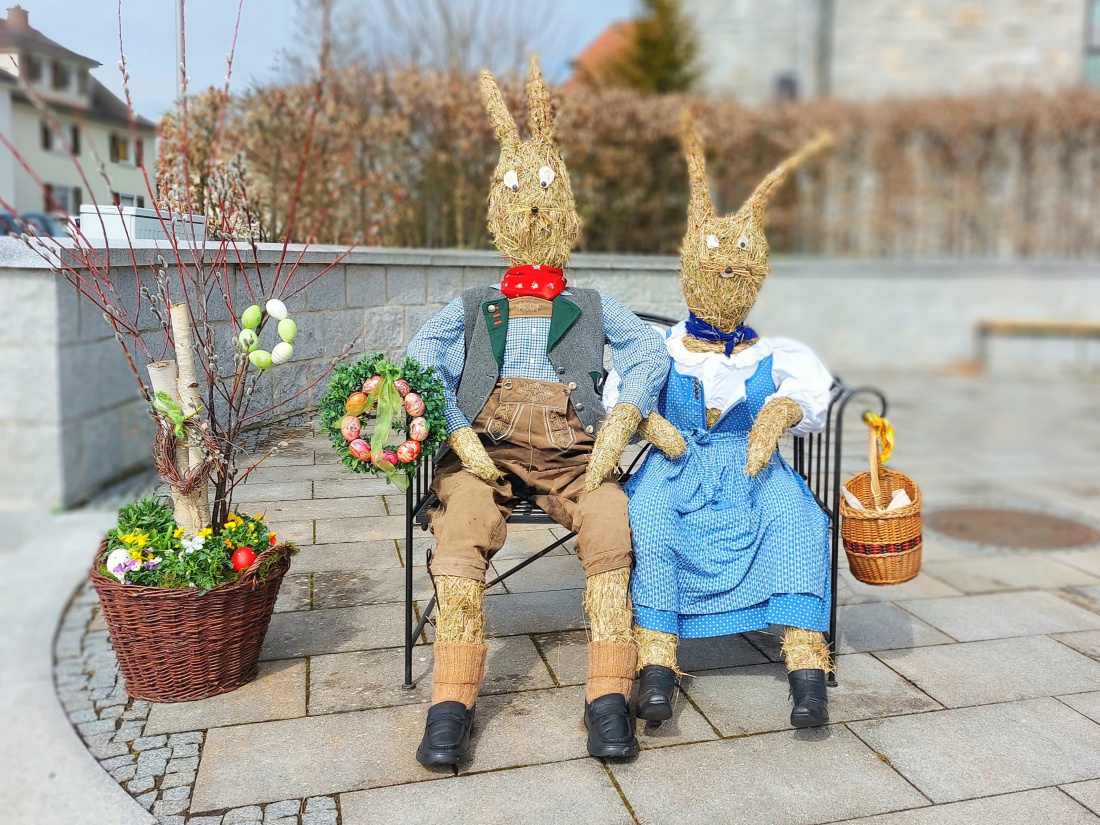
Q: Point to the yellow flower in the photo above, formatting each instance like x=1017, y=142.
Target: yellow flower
x=177, y=533
x=205, y=531
x=229, y=544
x=258, y=517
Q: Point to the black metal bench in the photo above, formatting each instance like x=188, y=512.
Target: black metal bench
x=814, y=457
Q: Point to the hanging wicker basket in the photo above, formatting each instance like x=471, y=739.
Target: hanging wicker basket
x=175, y=645
x=883, y=546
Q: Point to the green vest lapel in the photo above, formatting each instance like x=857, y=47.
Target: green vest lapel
x=562, y=316
x=496, y=320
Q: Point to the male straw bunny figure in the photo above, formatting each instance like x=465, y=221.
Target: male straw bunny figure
x=728, y=538
x=522, y=366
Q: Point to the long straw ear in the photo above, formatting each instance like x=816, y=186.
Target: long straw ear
x=500, y=118
x=758, y=200
x=541, y=116
x=700, y=206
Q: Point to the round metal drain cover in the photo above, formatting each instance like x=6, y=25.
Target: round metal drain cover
x=1011, y=528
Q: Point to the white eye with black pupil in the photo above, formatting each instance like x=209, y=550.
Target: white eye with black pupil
x=743, y=243
x=546, y=176
x=712, y=241
x=511, y=180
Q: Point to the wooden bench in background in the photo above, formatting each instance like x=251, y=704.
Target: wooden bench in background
x=1081, y=331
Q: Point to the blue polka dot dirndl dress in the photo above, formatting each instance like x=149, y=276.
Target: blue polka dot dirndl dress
x=718, y=551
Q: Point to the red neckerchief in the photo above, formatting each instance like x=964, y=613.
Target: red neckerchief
x=537, y=280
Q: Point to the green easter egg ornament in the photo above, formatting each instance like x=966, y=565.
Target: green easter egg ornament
x=250, y=318
x=248, y=340
x=260, y=358
x=288, y=330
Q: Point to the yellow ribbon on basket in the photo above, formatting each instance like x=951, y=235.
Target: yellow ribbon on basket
x=883, y=431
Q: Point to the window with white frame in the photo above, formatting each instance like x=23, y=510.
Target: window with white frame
x=61, y=198
x=120, y=149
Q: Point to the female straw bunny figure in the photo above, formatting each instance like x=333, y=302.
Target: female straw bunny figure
x=729, y=538
x=522, y=365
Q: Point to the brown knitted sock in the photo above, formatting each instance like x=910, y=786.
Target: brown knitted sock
x=457, y=673
x=610, y=669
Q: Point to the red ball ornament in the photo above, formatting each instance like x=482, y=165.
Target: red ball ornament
x=408, y=451
x=242, y=558
x=402, y=387
x=360, y=449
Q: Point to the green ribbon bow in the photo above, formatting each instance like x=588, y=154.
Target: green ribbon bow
x=390, y=404
x=164, y=404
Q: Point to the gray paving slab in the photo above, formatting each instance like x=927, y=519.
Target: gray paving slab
x=294, y=593
x=566, y=655
x=507, y=614
x=1007, y=573
x=1083, y=641
x=355, y=555
x=686, y=725
x=924, y=586
x=339, y=482
x=754, y=699
x=373, y=679
x=277, y=692
x=299, y=532
x=314, y=632
x=762, y=780
x=348, y=588
x=566, y=793
x=552, y=572
x=324, y=508
x=882, y=626
x=696, y=655
x=527, y=728
x=525, y=540
x=1086, y=793
x=365, y=749
x=1087, y=560
x=1003, y=615
x=359, y=529
x=1024, y=808
x=1087, y=704
x=957, y=754
x=252, y=492
x=999, y=670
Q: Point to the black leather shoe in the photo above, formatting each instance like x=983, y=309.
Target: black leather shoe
x=610, y=728
x=811, y=702
x=446, y=734
x=655, y=691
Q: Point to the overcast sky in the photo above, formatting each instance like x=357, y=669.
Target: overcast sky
x=90, y=27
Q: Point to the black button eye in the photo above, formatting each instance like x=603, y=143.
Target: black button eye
x=729, y=270
x=544, y=184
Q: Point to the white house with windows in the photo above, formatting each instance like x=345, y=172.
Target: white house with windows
x=87, y=120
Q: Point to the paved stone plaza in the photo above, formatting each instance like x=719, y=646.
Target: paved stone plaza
x=971, y=694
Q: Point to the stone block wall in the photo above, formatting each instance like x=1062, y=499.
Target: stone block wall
x=71, y=420
x=889, y=48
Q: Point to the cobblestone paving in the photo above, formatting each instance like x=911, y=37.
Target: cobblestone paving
x=971, y=694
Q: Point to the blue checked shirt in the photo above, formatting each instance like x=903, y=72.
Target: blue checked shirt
x=637, y=353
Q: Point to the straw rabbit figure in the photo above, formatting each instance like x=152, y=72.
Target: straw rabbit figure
x=522, y=365
x=729, y=539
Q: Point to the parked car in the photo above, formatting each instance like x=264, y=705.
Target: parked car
x=8, y=224
x=44, y=224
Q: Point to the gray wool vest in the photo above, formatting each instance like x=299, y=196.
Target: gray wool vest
x=576, y=346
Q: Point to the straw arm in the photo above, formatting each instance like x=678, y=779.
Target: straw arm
x=471, y=452
x=659, y=432
x=615, y=432
x=776, y=417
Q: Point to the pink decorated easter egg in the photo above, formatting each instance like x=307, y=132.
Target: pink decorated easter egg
x=402, y=387
x=386, y=455
x=418, y=429
x=414, y=404
x=350, y=427
x=372, y=383
x=408, y=451
x=360, y=449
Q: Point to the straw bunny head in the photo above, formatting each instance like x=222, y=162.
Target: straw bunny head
x=532, y=216
x=724, y=260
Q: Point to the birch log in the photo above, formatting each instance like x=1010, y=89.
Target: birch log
x=189, y=395
x=163, y=376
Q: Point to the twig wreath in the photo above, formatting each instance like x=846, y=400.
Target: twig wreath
x=372, y=387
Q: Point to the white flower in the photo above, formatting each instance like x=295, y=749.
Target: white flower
x=117, y=563
x=190, y=545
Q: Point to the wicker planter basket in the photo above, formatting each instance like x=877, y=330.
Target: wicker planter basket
x=174, y=645
x=883, y=546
